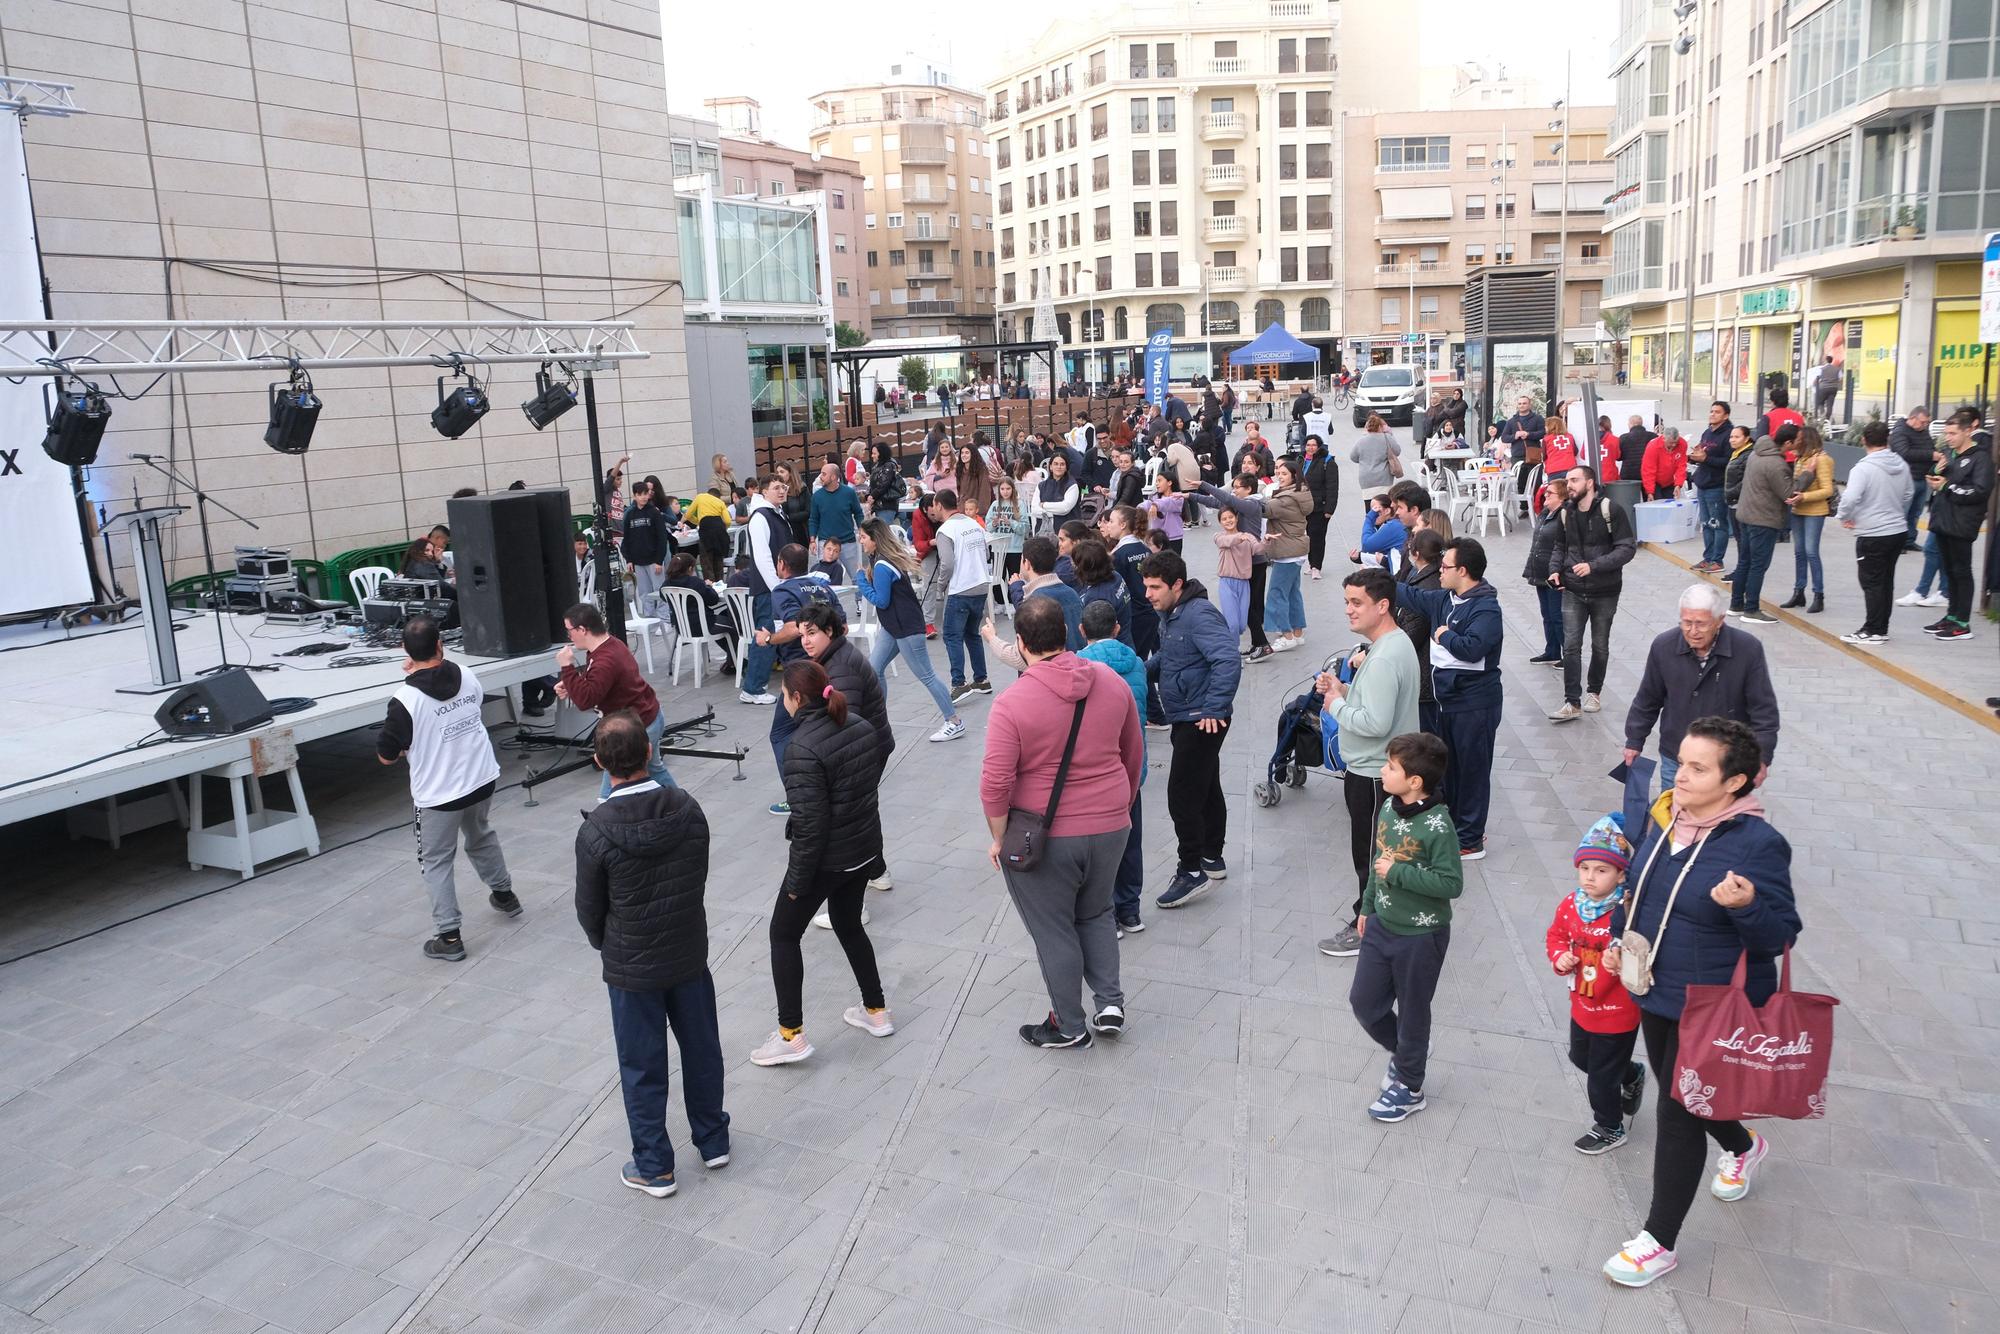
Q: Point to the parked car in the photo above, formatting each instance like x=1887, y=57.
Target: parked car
x=1389, y=392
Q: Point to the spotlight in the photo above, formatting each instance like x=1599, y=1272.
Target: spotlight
x=77, y=425
x=458, y=410
x=552, y=399
x=294, y=413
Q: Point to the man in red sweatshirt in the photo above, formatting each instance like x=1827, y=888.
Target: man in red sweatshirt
x=609, y=681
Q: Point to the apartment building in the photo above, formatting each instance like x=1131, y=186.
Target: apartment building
x=1431, y=196
x=753, y=165
x=1804, y=180
x=1176, y=166
x=925, y=233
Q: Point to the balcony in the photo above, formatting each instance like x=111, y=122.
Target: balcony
x=1891, y=218
x=1294, y=9
x=1224, y=229
x=1223, y=67
x=1224, y=127
x=931, y=308
x=924, y=155
x=1228, y=278
x=1095, y=77
x=1224, y=177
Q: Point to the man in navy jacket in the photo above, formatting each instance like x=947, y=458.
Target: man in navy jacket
x=1196, y=669
x=1465, y=677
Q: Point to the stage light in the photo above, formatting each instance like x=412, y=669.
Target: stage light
x=294, y=413
x=552, y=399
x=457, y=411
x=77, y=425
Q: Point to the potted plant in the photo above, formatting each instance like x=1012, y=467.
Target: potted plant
x=1906, y=223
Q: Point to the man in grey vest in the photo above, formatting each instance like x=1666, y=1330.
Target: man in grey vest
x=434, y=720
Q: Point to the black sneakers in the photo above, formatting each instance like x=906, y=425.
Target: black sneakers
x=504, y=901
x=1598, y=1140
x=1049, y=1034
x=446, y=945
x=1633, y=1092
x=1215, y=868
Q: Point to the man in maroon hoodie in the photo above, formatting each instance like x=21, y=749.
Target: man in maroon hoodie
x=609, y=681
x=1062, y=701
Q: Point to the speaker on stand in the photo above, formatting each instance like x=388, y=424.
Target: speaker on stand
x=503, y=594
x=558, y=560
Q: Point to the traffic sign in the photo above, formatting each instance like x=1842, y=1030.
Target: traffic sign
x=1989, y=291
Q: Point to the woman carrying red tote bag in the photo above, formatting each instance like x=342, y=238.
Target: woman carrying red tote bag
x=1738, y=1060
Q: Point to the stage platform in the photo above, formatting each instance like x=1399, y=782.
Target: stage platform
x=67, y=736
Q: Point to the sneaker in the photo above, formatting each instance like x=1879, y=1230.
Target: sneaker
x=875, y=1023
x=1183, y=889
x=1733, y=1173
x=1049, y=1034
x=824, y=921
x=1598, y=1140
x=882, y=883
x=983, y=686
x=720, y=1160
x=504, y=901
x=1756, y=618
x=1286, y=643
x=1110, y=1021
x=533, y=711
x=1855, y=637
x=446, y=945
x=1262, y=653
x=1129, y=926
x=1396, y=1102
x=780, y=808
x=1391, y=1076
x=1568, y=713
x=1159, y=727
x=1953, y=633
x=658, y=1187
x=1546, y=658
x=1555, y=662
x=765, y=697
x=1215, y=868
x=1729, y=578
x=1342, y=944
x=780, y=1050
x=959, y=692
x=1315, y=574
x=951, y=731
x=1639, y=1261
x=1632, y=1093
x=1592, y=704
x=930, y=632
x=1915, y=599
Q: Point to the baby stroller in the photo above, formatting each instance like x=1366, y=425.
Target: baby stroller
x=1307, y=738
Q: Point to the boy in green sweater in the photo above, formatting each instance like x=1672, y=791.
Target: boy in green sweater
x=1405, y=922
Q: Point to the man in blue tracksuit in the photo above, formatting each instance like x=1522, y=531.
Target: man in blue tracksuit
x=1465, y=676
x=1196, y=670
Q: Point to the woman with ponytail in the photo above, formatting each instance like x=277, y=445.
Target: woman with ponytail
x=832, y=768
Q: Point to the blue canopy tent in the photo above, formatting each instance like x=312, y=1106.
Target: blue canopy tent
x=1275, y=345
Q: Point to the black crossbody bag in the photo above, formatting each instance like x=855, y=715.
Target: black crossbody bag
x=1028, y=833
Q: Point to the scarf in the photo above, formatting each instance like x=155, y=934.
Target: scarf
x=1590, y=909
x=1685, y=829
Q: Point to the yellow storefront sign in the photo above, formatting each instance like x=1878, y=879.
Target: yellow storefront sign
x=1957, y=357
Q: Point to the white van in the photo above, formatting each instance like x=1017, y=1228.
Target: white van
x=1389, y=392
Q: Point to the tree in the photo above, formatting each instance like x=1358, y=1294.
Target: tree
x=846, y=335
x=1617, y=323
x=915, y=373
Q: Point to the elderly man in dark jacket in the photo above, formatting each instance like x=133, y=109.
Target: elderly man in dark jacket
x=1704, y=668
x=641, y=871
x=1911, y=439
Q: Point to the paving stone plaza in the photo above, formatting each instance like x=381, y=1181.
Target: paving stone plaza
x=262, y=1109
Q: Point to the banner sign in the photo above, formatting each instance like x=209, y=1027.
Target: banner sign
x=1989, y=291
x=42, y=558
x=1159, y=352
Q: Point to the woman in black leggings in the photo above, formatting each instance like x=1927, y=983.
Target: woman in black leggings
x=832, y=767
x=1711, y=880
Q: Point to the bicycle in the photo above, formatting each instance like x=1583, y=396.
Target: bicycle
x=1343, y=398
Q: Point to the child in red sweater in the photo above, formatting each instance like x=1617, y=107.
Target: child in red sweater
x=1603, y=1019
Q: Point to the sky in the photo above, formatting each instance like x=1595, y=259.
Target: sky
x=783, y=51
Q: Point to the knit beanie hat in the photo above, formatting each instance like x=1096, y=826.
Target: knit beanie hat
x=1605, y=842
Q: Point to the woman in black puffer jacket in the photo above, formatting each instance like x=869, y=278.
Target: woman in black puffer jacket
x=823, y=635
x=833, y=765
x=886, y=488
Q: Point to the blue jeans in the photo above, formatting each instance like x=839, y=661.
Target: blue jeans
x=913, y=651
x=757, y=658
x=639, y=1024
x=656, y=764
x=960, y=628
x=1131, y=868
x=1757, y=542
x=1668, y=768
x=1714, y=523
x=1551, y=600
x=1233, y=597
x=1468, y=778
x=1933, y=569
x=1284, y=599
x=1919, y=498
x=1806, y=530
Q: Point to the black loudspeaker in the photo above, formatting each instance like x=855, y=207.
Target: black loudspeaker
x=215, y=706
x=503, y=601
x=558, y=560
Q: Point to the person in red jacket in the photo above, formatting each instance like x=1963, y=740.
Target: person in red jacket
x=1664, y=470
x=1603, y=1018
x=608, y=680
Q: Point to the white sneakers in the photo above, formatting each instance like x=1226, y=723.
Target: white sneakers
x=1916, y=599
x=824, y=921
x=1639, y=1261
x=1591, y=704
x=780, y=1050
x=882, y=883
x=1566, y=714
x=1286, y=643
x=953, y=729
x=745, y=697
x=876, y=1024
x=1733, y=1173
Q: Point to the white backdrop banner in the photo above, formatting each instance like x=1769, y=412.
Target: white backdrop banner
x=43, y=561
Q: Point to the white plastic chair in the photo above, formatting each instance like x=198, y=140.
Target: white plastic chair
x=695, y=632
x=367, y=579
x=742, y=603
x=866, y=623
x=645, y=627
x=1492, y=499
x=996, y=575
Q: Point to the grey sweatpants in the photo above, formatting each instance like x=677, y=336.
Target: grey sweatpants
x=1066, y=905
x=646, y=587
x=438, y=834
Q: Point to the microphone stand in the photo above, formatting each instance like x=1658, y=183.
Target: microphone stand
x=201, y=503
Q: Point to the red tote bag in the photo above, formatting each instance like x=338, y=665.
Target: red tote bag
x=1739, y=1061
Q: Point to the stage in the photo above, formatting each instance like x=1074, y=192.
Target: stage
x=68, y=737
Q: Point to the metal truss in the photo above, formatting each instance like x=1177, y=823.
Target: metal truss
x=38, y=97
x=138, y=347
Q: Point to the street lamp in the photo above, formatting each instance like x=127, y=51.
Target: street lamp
x=1690, y=42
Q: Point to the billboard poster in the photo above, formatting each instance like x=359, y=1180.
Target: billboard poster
x=1159, y=353
x=1704, y=360
x=1520, y=369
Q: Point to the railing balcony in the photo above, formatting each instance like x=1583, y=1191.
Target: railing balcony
x=1294, y=9
x=1095, y=77
x=1228, y=278
x=1891, y=218
x=1224, y=229
x=999, y=108
x=1224, y=126
x=1224, y=176
x=924, y=155
x=1101, y=182
x=932, y=308
x=1102, y=231
x=1906, y=65
x=1227, y=66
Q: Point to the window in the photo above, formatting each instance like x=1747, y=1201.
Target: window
x=1288, y=110
x=778, y=188
x=1163, y=60
x=1475, y=255
x=871, y=259
x=839, y=243
x=868, y=221
x=1288, y=265
x=1319, y=108
x=1141, y=63
x=1163, y=115
x=1096, y=72
x=1288, y=162
x=924, y=226
x=1270, y=312
x=1168, y=174
x=1100, y=121
x=1007, y=287
x=895, y=221
x=1141, y=115
x=1170, y=218
x=1503, y=206
x=1003, y=152
x=1288, y=55
x=1142, y=167
x=1319, y=213
x=1142, y=219
x=1103, y=279
x=1006, y=196
x=840, y=199
x=1170, y=269
x=1100, y=223
x=1100, y=173
x=1319, y=264
x=1142, y=269
x=840, y=287
x=951, y=221
x=1392, y=310
x=1427, y=310
x=1288, y=213
x=741, y=188
x=1315, y=315
x=1593, y=249
x=1225, y=50
x=1475, y=155
x=1166, y=315
x=1475, y=207
x=1503, y=254
x=1319, y=162
x=895, y=259
x=893, y=181
x=1319, y=55
x=1118, y=324
x=1007, y=243
x=1072, y=178
x=1415, y=152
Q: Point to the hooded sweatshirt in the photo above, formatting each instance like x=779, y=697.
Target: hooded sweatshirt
x=1465, y=659
x=1878, y=492
x=1767, y=480
x=1025, y=733
x=434, y=718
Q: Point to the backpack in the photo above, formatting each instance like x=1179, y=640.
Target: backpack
x=1329, y=730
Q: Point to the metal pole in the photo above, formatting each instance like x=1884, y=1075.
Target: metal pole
x=614, y=595
x=1694, y=218
x=1207, y=341
x=1562, y=234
